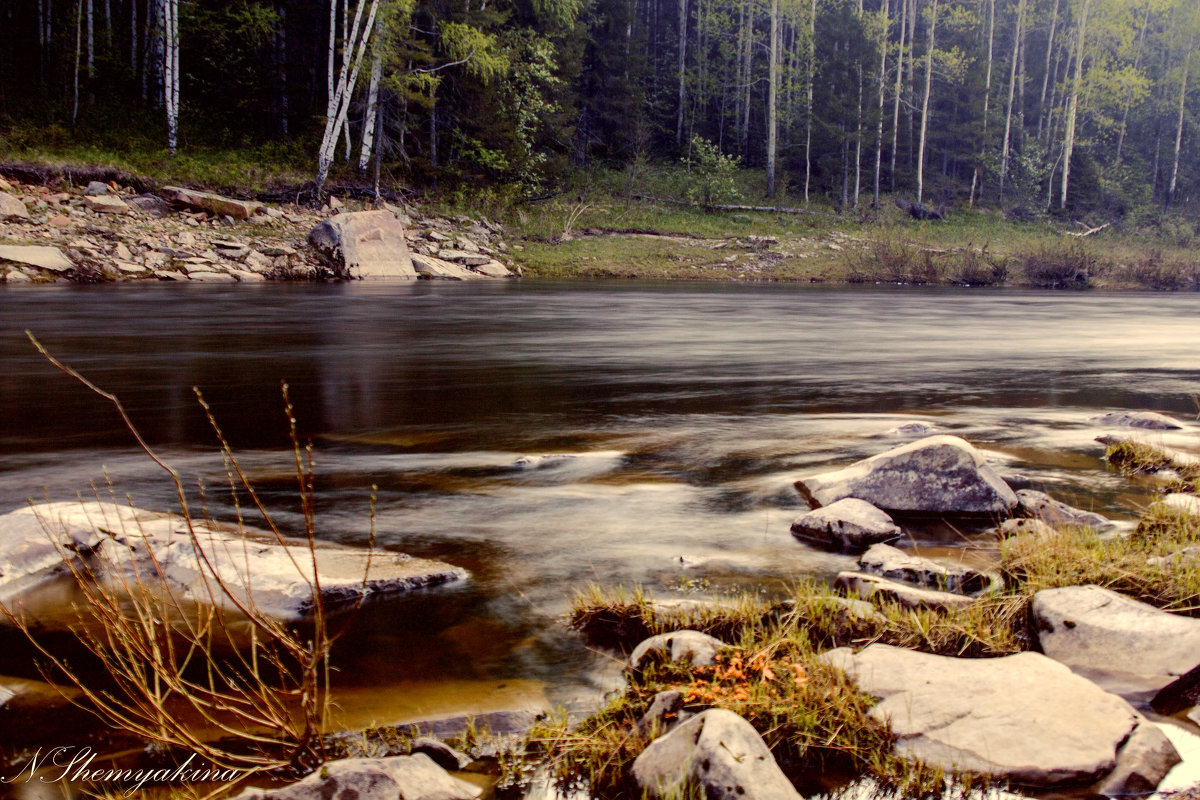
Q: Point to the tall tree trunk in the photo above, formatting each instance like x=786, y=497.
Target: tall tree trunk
x=281, y=59
x=811, y=78
x=987, y=97
x=912, y=77
x=899, y=86
x=369, y=125
x=1012, y=85
x=747, y=63
x=133, y=35
x=925, y=103
x=1137, y=62
x=1073, y=103
x=1047, y=73
x=41, y=26
x=683, y=21
x=858, y=131
x=91, y=53
x=171, y=72
x=883, y=48
x=78, y=53
x=772, y=99
x=1187, y=64
x=356, y=48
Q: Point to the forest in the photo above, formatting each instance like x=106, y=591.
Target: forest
x=1060, y=106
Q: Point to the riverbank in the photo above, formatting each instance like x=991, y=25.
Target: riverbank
x=601, y=235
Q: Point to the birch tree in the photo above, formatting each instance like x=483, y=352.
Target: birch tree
x=1018, y=43
x=773, y=99
x=359, y=35
x=933, y=18
x=1073, y=102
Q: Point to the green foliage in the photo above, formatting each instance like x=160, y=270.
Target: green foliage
x=710, y=174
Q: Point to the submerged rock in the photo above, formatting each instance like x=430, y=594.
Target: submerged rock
x=848, y=525
x=131, y=545
x=718, y=753
x=1040, y=505
x=1023, y=718
x=1128, y=647
x=891, y=562
x=414, y=777
x=698, y=649
x=868, y=587
x=935, y=475
x=1150, y=420
x=364, y=244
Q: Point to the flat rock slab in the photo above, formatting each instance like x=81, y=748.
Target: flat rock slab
x=438, y=269
x=494, y=269
x=698, y=649
x=414, y=777
x=936, y=475
x=256, y=569
x=1128, y=647
x=106, y=204
x=1023, y=718
x=895, y=564
x=50, y=259
x=364, y=244
x=849, y=526
x=718, y=753
x=1039, y=505
x=212, y=203
x=1150, y=420
x=12, y=207
x=868, y=587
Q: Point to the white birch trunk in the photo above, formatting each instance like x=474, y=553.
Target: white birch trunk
x=78, y=54
x=1073, y=104
x=925, y=102
x=683, y=20
x=772, y=99
x=1187, y=64
x=812, y=74
x=368, y=138
x=987, y=97
x=899, y=90
x=1012, y=86
x=355, y=50
x=883, y=48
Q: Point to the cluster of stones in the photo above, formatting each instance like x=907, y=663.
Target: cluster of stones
x=110, y=233
x=1067, y=716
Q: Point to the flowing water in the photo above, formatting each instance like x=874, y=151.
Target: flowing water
x=687, y=410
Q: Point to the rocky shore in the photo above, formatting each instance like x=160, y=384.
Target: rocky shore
x=107, y=232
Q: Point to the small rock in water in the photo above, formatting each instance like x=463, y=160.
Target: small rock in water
x=442, y=754
x=1040, y=505
x=895, y=564
x=849, y=525
x=867, y=587
x=911, y=429
x=1150, y=420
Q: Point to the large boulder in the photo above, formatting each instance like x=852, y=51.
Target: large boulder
x=50, y=259
x=698, y=649
x=106, y=204
x=1039, y=505
x=1150, y=420
x=364, y=244
x=129, y=545
x=718, y=753
x=849, y=525
x=405, y=777
x=893, y=563
x=212, y=203
x=1126, y=646
x=1024, y=719
x=937, y=475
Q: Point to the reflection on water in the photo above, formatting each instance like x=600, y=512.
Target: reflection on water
x=686, y=412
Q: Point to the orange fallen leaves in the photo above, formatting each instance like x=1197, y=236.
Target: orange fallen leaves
x=729, y=681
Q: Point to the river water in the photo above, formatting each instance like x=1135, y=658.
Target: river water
x=689, y=410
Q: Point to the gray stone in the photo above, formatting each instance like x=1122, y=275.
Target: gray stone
x=212, y=203
x=1142, y=763
x=1126, y=646
x=151, y=204
x=50, y=259
x=849, y=525
x=463, y=257
x=437, y=269
x=895, y=564
x=1023, y=718
x=718, y=752
x=665, y=712
x=698, y=649
x=911, y=429
x=275, y=250
x=169, y=275
x=122, y=253
x=16, y=276
x=96, y=189
x=1022, y=526
x=935, y=475
x=276, y=578
x=868, y=587
x=364, y=244
x=204, y=276
x=400, y=778
x=442, y=754
x=257, y=262
x=494, y=269
x=106, y=204
x=126, y=266
x=12, y=207
x=1150, y=420
x=36, y=544
x=1040, y=505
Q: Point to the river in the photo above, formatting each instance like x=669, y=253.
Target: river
x=689, y=410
